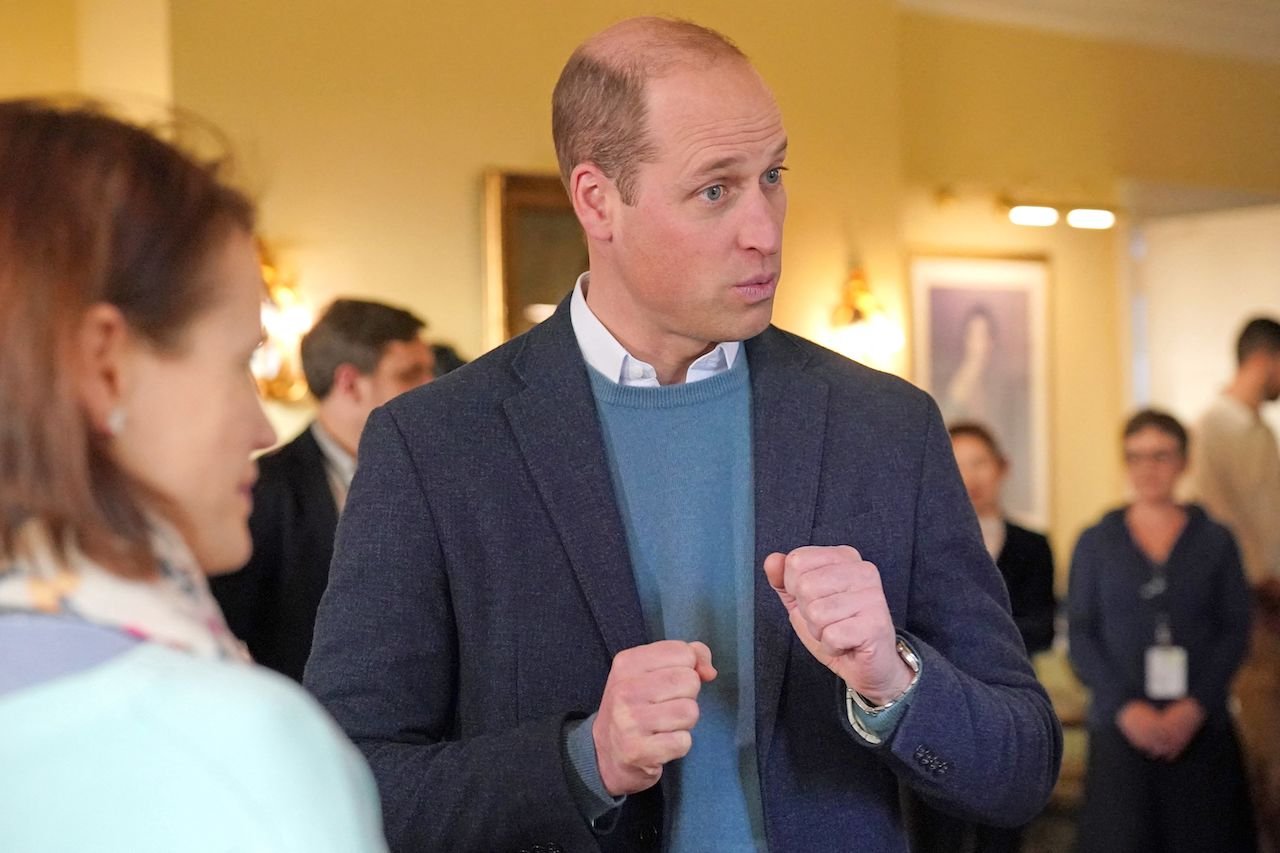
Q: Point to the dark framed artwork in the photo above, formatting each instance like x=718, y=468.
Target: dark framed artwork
x=534, y=251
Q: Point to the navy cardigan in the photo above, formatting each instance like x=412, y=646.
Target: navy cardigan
x=1112, y=623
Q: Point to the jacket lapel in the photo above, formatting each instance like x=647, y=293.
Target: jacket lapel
x=559, y=434
x=789, y=415
x=558, y=431
x=315, y=495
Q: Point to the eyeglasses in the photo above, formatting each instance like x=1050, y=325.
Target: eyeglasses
x=1159, y=457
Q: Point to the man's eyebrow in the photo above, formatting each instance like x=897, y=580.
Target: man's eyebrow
x=716, y=166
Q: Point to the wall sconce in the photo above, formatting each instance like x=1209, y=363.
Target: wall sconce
x=276, y=364
x=1046, y=215
x=861, y=327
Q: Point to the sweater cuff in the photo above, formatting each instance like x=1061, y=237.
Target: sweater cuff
x=877, y=728
x=594, y=803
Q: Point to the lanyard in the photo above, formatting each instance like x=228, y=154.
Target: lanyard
x=1154, y=590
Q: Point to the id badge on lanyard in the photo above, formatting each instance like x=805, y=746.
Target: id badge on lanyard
x=1165, y=664
x=1166, y=672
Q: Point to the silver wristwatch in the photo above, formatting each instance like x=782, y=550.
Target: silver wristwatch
x=912, y=660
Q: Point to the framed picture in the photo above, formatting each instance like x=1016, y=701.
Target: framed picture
x=534, y=251
x=981, y=351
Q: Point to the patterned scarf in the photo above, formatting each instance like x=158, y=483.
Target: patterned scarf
x=175, y=609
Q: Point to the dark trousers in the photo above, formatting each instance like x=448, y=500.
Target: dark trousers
x=1198, y=803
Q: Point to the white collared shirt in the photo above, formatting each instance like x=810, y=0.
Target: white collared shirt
x=339, y=465
x=994, y=533
x=603, y=352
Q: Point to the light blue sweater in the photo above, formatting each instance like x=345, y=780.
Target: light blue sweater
x=156, y=750
x=680, y=456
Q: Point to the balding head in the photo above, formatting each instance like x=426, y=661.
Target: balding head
x=598, y=110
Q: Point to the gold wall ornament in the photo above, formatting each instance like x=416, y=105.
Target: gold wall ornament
x=861, y=328
x=286, y=317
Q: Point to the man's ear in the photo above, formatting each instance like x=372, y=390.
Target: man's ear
x=102, y=364
x=346, y=381
x=595, y=200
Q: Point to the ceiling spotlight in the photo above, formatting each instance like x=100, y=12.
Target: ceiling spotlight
x=1092, y=218
x=1034, y=215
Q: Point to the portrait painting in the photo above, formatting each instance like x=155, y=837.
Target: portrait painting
x=980, y=350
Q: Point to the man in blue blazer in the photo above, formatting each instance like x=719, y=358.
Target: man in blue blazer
x=657, y=575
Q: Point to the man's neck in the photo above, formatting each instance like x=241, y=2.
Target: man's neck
x=669, y=355
x=340, y=429
x=1155, y=510
x=990, y=512
x=1247, y=390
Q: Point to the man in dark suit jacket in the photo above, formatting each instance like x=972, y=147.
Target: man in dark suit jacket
x=1026, y=564
x=358, y=356
x=525, y=630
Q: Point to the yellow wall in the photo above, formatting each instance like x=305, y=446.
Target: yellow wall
x=1029, y=111
x=1086, y=362
x=990, y=110
x=366, y=129
x=124, y=54
x=37, y=47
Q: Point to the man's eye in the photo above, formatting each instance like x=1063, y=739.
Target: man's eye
x=773, y=176
x=713, y=193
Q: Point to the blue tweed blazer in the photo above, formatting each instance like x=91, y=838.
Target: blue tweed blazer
x=481, y=585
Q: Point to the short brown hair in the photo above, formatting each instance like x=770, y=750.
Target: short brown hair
x=92, y=210
x=1161, y=422
x=355, y=332
x=975, y=430
x=1259, y=334
x=598, y=111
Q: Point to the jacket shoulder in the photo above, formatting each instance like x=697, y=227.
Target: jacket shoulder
x=485, y=381
x=292, y=462
x=847, y=375
x=1024, y=537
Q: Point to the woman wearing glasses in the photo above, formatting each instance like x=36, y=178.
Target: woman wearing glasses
x=1159, y=624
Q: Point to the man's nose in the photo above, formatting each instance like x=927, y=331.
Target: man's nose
x=762, y=222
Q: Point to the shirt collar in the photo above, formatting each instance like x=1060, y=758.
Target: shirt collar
x=603, y=352
x=342, y=463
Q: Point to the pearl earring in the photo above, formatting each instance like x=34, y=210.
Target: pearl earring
x=115, y=421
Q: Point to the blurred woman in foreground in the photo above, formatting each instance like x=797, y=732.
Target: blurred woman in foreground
x=129, y=716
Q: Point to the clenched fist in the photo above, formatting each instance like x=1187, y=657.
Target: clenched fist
x=648, y=711
x=838, y=610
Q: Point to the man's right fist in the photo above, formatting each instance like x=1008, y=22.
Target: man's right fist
x=648, y=711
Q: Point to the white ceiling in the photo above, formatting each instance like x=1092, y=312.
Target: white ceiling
x=1244, y=29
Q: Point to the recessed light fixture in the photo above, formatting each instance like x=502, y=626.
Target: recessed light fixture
x=1036, y=216
x=1096, y=219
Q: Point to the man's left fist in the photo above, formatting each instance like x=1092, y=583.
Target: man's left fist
x=838, y=610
